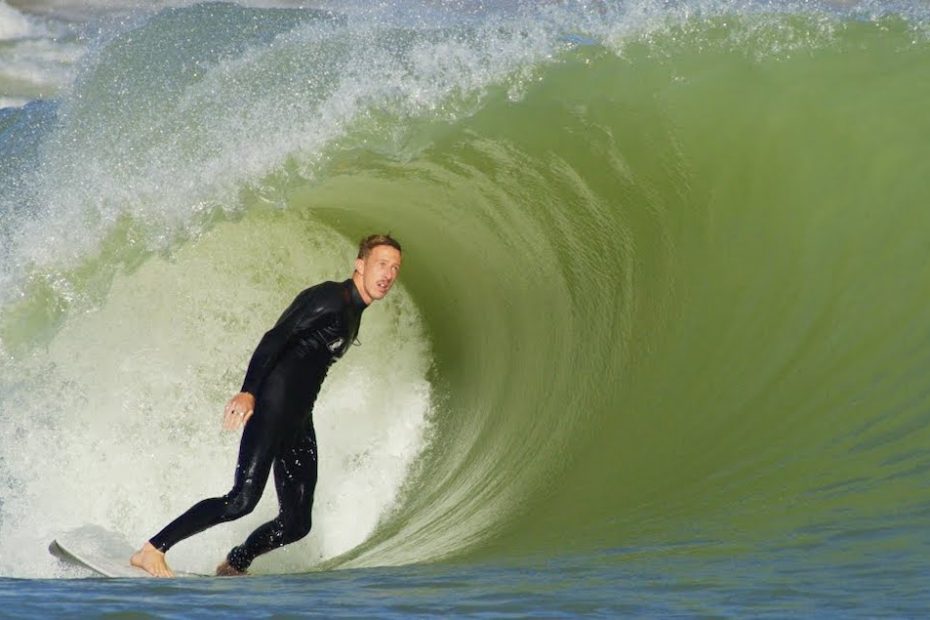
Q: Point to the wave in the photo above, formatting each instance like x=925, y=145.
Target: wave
x=13, y=24
x=663, y=279
x=36, y=56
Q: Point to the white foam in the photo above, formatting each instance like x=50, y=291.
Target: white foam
x=42, y=64
x=117, y=422
x=13, y=102
x=13, y=24
x=285, y=102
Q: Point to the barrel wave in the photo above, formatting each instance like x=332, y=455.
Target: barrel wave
x=664, y=283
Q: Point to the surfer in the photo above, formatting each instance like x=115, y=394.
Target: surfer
x=275, y=408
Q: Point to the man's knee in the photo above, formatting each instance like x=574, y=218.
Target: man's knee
x=241, y=501
x=297, y=528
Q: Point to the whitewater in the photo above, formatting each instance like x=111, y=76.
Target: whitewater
x=658, y=347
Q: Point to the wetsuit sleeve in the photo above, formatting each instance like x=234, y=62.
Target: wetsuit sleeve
x=309, y=308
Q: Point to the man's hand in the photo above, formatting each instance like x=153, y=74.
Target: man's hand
x=238, y=411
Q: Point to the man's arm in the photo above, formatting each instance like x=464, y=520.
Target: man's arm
x=241, y=406
x=306, y=309
x=310, y=307
x=275, y=340
x=269, y=349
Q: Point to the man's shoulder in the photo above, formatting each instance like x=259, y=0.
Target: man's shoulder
x=325, y=294
x=328, y=287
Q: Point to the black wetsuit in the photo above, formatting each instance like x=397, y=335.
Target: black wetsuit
x=284, y=375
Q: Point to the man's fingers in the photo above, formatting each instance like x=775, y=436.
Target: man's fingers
x=233, y=419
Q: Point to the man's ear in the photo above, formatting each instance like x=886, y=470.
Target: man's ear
x=360, y=266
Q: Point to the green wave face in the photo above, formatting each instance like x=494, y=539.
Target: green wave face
x=673, y=295
x=662, y=285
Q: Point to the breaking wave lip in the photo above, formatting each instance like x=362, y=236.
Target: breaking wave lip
x=295, y=90
x=184, y=152
x=104, y=159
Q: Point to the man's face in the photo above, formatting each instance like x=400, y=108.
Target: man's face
x=378, y=270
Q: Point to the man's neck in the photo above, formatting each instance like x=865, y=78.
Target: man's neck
x=360, y=289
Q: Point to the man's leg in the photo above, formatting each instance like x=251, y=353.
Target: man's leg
x=295, y=472
x=256, y=453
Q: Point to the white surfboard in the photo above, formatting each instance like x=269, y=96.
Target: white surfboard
x=100, y=550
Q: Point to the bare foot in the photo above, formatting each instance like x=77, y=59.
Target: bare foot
x=151, y=560
x=225, y=569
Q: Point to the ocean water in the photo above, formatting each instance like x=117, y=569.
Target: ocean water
x=658, y=348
